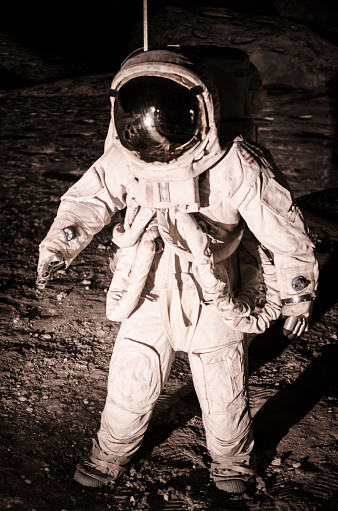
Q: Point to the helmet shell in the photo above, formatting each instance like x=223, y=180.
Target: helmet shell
x=199, y=137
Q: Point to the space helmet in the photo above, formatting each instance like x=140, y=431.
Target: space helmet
x=163, y=107
x=164, y=124
x=158, y=119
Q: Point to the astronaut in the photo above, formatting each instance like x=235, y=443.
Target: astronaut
x=202, y=223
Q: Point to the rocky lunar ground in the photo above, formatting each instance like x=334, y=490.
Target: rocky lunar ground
x=56, y=344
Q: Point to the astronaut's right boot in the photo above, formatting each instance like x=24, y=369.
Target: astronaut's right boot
x=98, y=469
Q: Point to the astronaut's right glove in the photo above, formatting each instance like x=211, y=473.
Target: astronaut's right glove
x=49, y=263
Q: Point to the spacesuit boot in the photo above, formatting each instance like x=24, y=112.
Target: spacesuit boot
x=237, y=479
x=99, y=468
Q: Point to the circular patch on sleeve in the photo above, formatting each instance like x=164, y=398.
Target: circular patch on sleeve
x=299, y=283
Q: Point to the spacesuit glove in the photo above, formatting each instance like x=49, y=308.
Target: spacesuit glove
x=49, y=262
x=295, y=326
x=297, y=318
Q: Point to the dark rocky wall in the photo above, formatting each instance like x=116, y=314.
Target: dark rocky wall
x=97, y=34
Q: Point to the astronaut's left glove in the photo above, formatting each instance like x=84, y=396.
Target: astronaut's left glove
x=297, y=311
x=295, y=326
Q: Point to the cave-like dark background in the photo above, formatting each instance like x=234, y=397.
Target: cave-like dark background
x=95, y=36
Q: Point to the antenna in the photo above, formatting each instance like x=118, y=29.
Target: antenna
x=145, y=25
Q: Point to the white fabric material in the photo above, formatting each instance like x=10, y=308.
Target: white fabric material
x=125, y=238
x=200, y=304
x=129, y=279
x=236, y=188
x=141, y=365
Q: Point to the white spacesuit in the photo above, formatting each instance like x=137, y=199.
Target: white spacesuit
x=201, y=224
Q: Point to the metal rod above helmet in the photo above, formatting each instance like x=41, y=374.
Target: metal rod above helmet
x=145, y=25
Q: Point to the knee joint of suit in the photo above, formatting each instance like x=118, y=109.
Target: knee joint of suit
x=135, y=376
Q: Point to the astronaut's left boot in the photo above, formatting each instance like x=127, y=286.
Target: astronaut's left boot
x=98, y=469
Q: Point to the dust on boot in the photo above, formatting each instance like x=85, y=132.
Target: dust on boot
x=99, y=468
x=234, y=477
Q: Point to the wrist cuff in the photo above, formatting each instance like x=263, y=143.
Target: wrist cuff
x=298, y=299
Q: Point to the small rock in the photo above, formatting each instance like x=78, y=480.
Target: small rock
x=276, y=462
x=199, y=34
x=46, y=337
x=303, y=117
x=297, y=464
x=217, y=14
x=260, y=484
x=243, y=40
